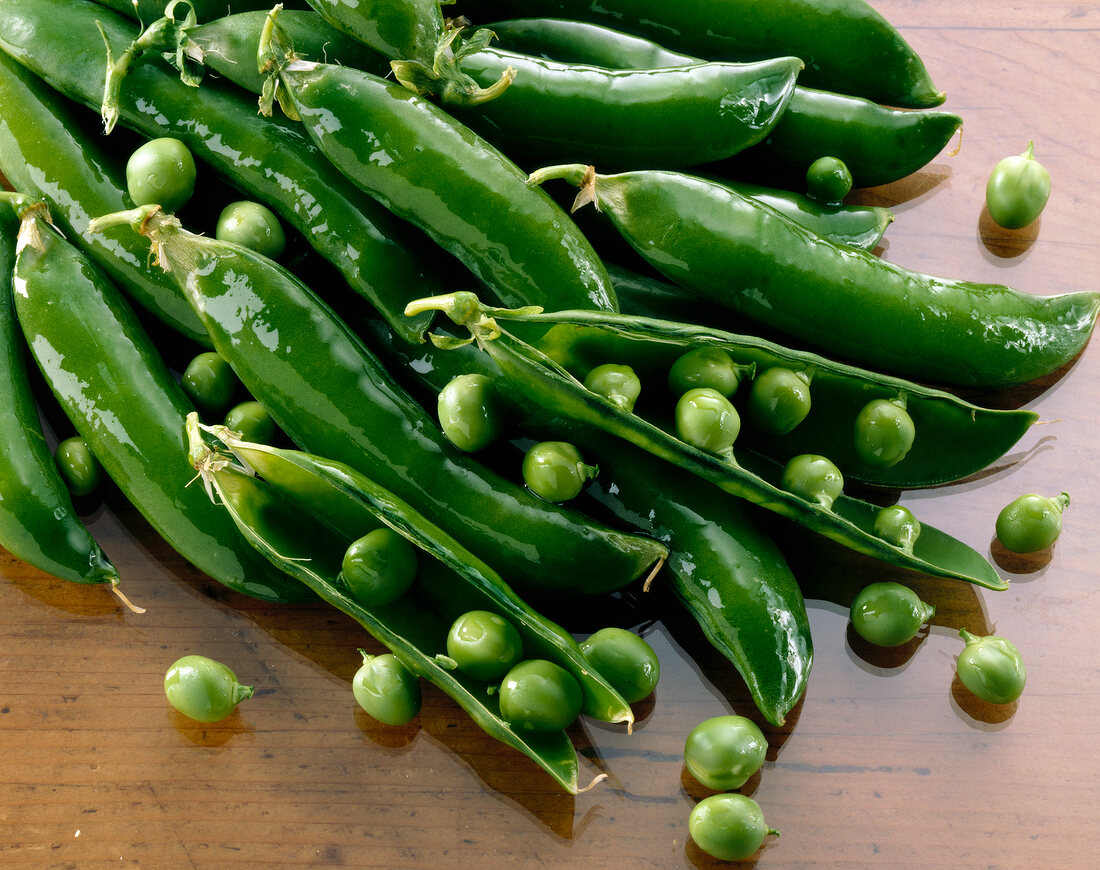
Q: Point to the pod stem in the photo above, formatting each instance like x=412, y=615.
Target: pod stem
x=274, y=55
x=577, y=174
x=30, y=211
x=133, y=607
x=444, y=79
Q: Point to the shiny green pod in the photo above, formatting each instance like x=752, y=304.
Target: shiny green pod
x=125, y=403
x=406, y=30
x=332, y=397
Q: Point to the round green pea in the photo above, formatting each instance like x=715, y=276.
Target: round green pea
x=470, y=412
x=828, y=180
x=386, y=689
x=79, y=469
x=710, y=367
x=724, y=751
x=1031, y=522
x=251, y=420
x=484, y=645
x=379, y=567
x=210, y=383
x=706, y=419
x=779, y=400
x=729, y=827
x=554, y=470
x=889, y=614
x=991, y=668
x=538, y=695
x=884, y=433
x=617, y=383
x=814, y=478
x=897, y=525
x=161, y=172
x=625, y=660
x=252, y=225
x=1017, y=190
x=203, y=689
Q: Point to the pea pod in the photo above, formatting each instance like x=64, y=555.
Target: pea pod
x=849, y=521
x=149, y=10
x=726, y=248
x=124, y=403
x=413, y=628
x=333, y=398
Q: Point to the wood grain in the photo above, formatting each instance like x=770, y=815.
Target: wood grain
x=887, y=763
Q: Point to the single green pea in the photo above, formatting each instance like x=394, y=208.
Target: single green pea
x=1031, y=522
x=729, y=827
x=252, y=421
x=828, y=180
x=79, y=469
x=724, y=751
x=779, y=400
x=379, y=567
x=554, y=470
x=386, y=689
x=884, y=432
x=471, y=413
x=1017, y=190
x=161, y=172
x=625, y=660
x=210, y=383
x=991, y=667
x=710, y=367
x=814, y=478
x=252, y=225
x=203, y=689
x=897, y=525
x=706, y=419
x=484, y=645
x=889, y=614
x=538, y=695
x=616, y=383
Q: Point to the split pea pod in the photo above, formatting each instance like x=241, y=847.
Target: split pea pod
x=848, y=521
x=333, y=398
x=723, y=247
x=125, y=403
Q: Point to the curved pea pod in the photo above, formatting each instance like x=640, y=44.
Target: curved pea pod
x=38, y=522
x=849, y=521
x=724, y=247
x=332, y=397
x=310, y=546
x=125, y=403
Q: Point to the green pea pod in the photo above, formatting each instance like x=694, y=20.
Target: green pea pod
x=149, y=10
x=729, y=249
x=44, y=152
x=847, y=46
x=413, y=628
x=408, y=30
x=849, y=521
x=333, y=398
x=442, y=177
x=125, y=403
x=38, y=522
x=273, y=162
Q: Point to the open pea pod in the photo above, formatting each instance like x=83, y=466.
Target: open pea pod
x=849, y=521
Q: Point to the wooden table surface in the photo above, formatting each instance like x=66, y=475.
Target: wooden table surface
x=887, y=763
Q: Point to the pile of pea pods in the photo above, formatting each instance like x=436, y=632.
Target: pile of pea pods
x=452, y=233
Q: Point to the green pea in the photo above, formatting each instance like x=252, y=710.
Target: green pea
x=889, y=614
x=897, y=525
x=1017, y=190
x=706, y=419
x=828, y=180
x=379, y=567
x=203, y=689
x=991, y=668
x=471, y=413
x=884, y=432
x=729, y=827
x=253, y=226
x=537, y=695
x=79, y=469
x=554, y=470
x=710, y=367
x=779, y=400
x=161, y=172
x=210, y=383
x=386, y=689
x=814, y=478
x=616, y=383
x=252, y=421
x=724, y=751
x=626, y=661
x=1031, y=522
x=484, y=645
